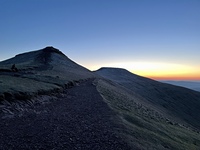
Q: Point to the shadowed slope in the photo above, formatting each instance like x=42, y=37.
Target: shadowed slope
x=39, y=71
x=179, y=104
x=139, y=104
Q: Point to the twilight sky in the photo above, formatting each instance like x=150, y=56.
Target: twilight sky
x=154, y=38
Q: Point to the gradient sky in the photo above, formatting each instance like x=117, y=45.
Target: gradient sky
x=154, y=38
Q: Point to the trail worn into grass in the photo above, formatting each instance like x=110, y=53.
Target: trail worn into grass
x=78, y=120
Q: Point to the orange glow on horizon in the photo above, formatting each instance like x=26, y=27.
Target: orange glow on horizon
x=192, y=75
x=160, y=70
x=189, y=78
x=174, y=75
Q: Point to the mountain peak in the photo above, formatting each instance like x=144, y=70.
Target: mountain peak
x=51, y=49
x=112, y=68
x=118, y=71
x=37, y=57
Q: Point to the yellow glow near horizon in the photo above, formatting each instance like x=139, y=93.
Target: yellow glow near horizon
x=157, y=70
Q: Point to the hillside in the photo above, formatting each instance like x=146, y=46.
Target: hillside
x=47, y=101
x=44, y=70
x=152, y=113
x=176, y=103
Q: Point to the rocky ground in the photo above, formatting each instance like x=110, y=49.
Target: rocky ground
x=76, y=119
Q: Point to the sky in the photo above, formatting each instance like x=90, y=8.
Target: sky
x=159, y=39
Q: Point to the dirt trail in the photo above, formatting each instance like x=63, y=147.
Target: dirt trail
x=78, y=120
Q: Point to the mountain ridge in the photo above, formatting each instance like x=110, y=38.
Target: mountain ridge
x=171, y=100
x=50, y=92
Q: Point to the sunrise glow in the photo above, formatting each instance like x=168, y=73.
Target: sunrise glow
x=160, y=71
x=154, y=39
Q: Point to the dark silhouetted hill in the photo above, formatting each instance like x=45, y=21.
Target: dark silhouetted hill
x=40, y=71
x=178, y=103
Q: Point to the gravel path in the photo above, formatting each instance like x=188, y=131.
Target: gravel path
x=77, y=120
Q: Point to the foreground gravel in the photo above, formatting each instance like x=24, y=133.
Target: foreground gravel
x=77, y=119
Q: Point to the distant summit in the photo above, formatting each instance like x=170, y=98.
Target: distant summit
x=116, y=73
x=112, y=69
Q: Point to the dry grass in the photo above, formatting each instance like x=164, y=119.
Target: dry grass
x=144, y=127
x=39, y=72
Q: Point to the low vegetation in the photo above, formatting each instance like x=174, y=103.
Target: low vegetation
x=38, y=72
x=22, y=88
x=144, y=127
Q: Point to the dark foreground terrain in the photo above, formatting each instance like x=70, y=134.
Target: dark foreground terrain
x=76, y=119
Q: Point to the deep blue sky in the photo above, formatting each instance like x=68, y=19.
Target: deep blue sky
x=98, y=33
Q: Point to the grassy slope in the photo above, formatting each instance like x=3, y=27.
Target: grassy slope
x=40, y=71
x=145, y=127
x=176, y=103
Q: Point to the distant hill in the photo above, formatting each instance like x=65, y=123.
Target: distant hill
x=154, y=115
x=177, y=103
x=41, y=71
x=194, y=85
